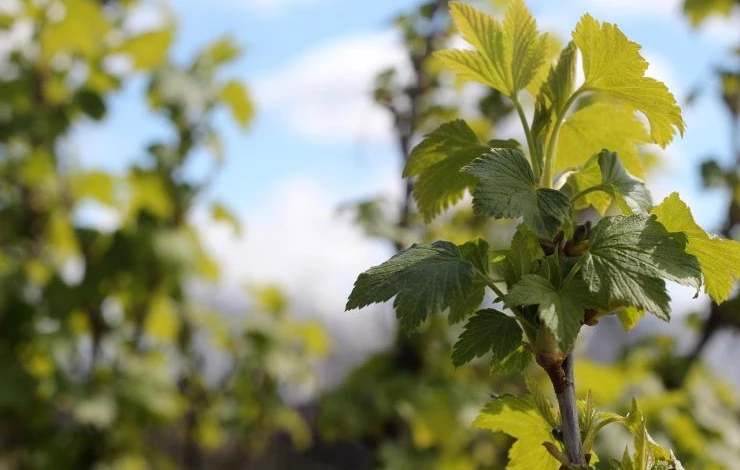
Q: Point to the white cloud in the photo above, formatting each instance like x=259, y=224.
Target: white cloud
x=325, y=94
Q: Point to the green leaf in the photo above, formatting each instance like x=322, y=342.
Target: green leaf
x=78, y=33
x=612, y=64
x=560, y=309
x=437, y=162
x=628, y=258
x=588, y=177
x=507, y=55
x=147, y=50
x=475, y=251
x=629, y=316
x=519, y=418
x=600, y=126
x=561, y=80
x=506, y=188
x=487, y=331
x=235, y=96
x=629, y=193
x=523, y=256
x=97, y=185
x=424, y=279
x=719, y=259
x=515, y=362
x=699, y=10
x=221, y=51
x=219, y=213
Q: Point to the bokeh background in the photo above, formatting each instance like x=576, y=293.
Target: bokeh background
x=189, y=188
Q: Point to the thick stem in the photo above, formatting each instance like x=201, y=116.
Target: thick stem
x=560, y=372
x=566, y=395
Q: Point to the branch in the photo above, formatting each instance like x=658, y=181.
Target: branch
x=562, y=378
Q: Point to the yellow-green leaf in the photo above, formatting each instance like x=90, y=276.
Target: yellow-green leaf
x=719, y=259
x=508, y=55
x=235, y=96
x=519, y=418
x=612, y=64
x=601, y=126
x=147, y=50
x=80, y=31
x=220, y=213
x=97, y=185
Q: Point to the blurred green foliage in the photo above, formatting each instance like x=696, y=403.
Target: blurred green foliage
x=102, y=347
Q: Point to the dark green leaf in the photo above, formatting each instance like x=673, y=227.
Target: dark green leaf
x=523, y=256
x=560, y=309
x=488, y=330
x=629, y=193
x=515, y=362
x=506, y=188
x=436, y=162
x=628, y=258
x=424, y=279
x=475, y=251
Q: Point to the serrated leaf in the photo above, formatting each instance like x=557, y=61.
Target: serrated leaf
x=519, y=418
x=612, y=64
x=588, y=177
x=600, y=126
x=719, y=258
x=629, y=193
x=437, y=162
x=628, y=258
x=560, y=82
x=507, y=55
x=507, y=188
x=487, y=331
x=560, y=308
x=424, y=279
x=515, y=362
x=475, y=251
x=235, y=96
x=523, y=256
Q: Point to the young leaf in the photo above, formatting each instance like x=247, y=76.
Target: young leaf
x=475, y=251
x=561, y=80
x=719, y=259
x=523, y=256
x=600, y=126
x=560, y=309
x=519, y=418
x=629, y=316
x=629, y=193
x=487, y=331
x=437, y=161
x=628, y=257
x=587, y=177
x=423, y=278
x=507, y=56
x=507, y=188
x=612, y=64
x=515, y=362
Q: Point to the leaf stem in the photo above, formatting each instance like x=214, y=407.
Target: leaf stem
x=573, y=271
x=529, y=328
x=586, y=191
x=553, y=141
x=533, y=156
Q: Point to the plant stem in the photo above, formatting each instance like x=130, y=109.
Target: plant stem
x=553, y=141
x=566, y=395
x=534, y=158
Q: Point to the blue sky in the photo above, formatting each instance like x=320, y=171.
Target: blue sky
x=317, y=142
